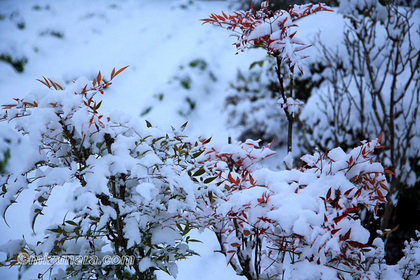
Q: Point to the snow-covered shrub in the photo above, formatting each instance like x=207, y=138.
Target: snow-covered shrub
x=138, y=191
x=407, y=268
x=274, y=225
x=372, y=84
x=409, y=265
x=250, y=99
x=130, y=189
x=275, y=32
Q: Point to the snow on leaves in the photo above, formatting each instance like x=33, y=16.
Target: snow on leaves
x=293, y=105
x=142, y=191
x=267, y=221
x=275, y=31
x=128, y=180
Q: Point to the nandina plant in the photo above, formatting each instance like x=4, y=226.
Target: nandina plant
x=274, y=225
x=271, y=225
x=123, y=177
x=138, y=191
x=276, y=32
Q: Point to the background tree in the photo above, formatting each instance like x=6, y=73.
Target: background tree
x=372, y=84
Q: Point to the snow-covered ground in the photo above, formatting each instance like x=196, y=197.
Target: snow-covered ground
x=64, y=40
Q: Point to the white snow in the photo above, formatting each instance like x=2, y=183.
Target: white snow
x=65, y=40
x=154, y=38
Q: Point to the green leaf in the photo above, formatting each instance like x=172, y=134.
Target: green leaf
x=195, y=240
x=183, y=126
x=200, y=63
x=179, y=227
x=209, y=180
x=98, y=105
x=197, y=154
x=211, y=197
x=259, y=63
x=148, y=124
x=38, y=212
x=187, y=229
x=56, y=230
x=194, y=179
x=146, y=111
x=199, y=172
x=99, y=145
x=71, y=223
x=186, y=83
x=41, y=162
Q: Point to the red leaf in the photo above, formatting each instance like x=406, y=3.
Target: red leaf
x=262, y=231
x=350, y=161
x=46, y=81
x=381, y=198
x=119, y=71
x=206, y=141
x=334, y=231
x=358, y=193
x=231, y=252
x=384, y=186
x=329, y=193
x=251, y=180
x=356, y=244
x=380, y=137
x=338, y=218
x=83, y=90
x=346, y=236
x=348, y=191
x=348, y=210
x=386, y=170
x=231, y=178
x=244, y=214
